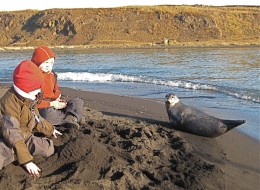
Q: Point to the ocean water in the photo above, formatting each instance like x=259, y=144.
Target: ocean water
x=224, y=82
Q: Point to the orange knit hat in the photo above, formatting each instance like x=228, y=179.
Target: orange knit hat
x=41, y=54
x=28, y=77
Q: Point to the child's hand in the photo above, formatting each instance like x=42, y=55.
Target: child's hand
x=32, y=169
x=57, y=104
x=55, y=133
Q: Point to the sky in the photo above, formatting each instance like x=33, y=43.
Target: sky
x=10, y=5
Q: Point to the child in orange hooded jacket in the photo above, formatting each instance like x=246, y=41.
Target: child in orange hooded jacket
x=53, y=108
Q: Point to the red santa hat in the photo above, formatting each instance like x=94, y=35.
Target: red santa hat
x=28, y=77
x=41, y=54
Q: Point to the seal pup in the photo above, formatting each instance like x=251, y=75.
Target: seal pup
x=194, y=121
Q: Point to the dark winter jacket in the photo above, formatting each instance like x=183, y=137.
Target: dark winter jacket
x=18, y=117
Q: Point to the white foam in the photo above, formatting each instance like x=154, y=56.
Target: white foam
x=97, y=77
x=108, y=77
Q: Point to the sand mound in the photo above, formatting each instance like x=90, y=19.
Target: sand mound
x=111, y=152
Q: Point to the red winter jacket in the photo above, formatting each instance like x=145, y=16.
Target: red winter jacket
x=50, y=91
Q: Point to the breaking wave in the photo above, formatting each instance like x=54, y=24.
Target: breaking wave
x=106, y=77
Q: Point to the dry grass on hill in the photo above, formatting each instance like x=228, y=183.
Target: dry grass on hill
x=132, y=26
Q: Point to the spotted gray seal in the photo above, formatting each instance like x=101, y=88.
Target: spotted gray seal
x=194, y=121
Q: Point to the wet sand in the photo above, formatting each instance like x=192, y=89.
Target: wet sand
x=127, y=143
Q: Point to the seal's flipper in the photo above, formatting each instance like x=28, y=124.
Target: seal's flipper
x=233, y=123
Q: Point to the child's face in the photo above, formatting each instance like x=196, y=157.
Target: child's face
x=47, y=65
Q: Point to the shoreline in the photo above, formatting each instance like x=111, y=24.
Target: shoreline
x=235, y=156
x=127, y=47
x=159, y=115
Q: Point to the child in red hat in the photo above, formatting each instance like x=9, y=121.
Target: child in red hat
x=53, y=108
x=19, y=116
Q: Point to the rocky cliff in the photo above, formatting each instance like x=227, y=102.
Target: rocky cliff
x=132, y=26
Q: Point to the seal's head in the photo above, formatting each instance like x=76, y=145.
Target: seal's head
x=171, y=99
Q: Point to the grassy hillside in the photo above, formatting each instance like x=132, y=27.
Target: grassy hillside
x=132, y=26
